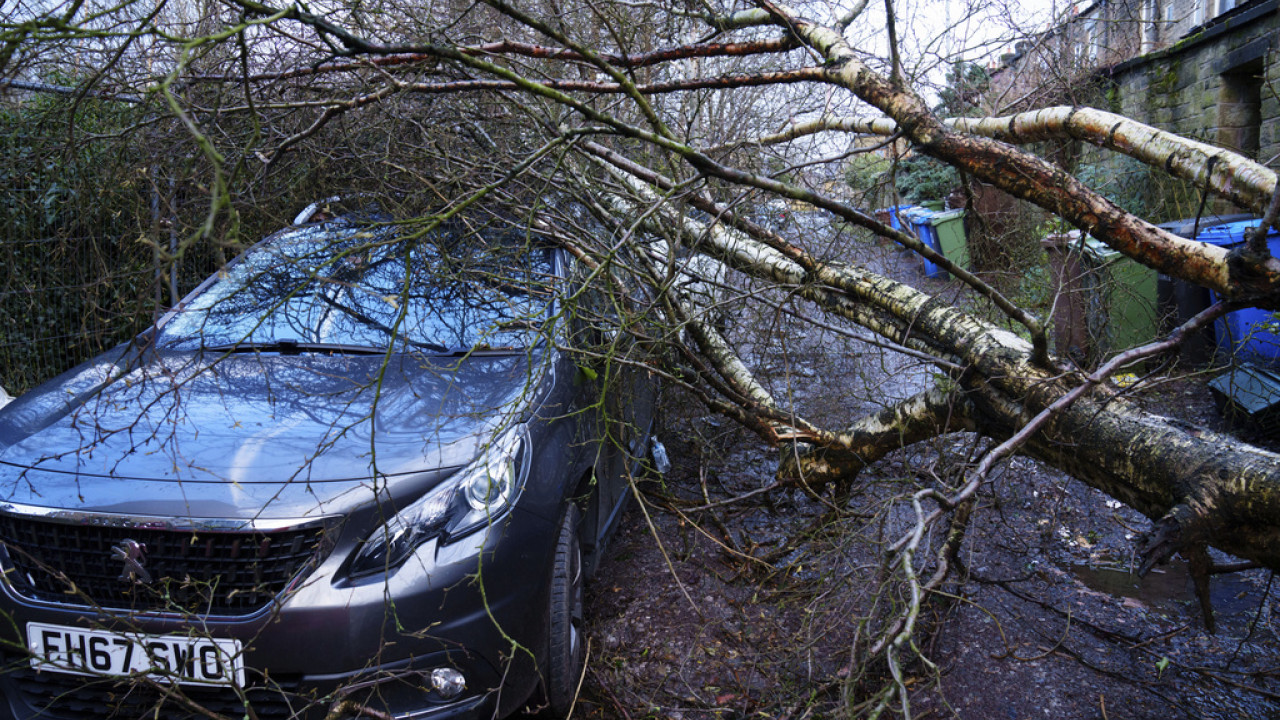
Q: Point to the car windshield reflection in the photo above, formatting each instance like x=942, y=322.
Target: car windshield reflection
x=347, y=287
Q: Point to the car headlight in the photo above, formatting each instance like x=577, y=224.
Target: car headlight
x=471, y=498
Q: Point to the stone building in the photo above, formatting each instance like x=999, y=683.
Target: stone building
x=1204, y=69
x=1201, y=68
x=1216, y=82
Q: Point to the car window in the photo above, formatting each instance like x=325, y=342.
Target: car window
x=370, y=287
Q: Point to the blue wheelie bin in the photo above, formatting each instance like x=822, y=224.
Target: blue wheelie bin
x=920, y=222
x=1249, y=334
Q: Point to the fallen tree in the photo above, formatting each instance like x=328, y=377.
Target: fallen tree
x=594, y=101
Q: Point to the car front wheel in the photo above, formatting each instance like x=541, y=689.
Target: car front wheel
x=567, y=645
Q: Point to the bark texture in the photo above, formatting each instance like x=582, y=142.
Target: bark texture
x=1253, y=279
x=1199, y=486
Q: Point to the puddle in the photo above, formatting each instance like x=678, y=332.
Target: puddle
x=1168, y=588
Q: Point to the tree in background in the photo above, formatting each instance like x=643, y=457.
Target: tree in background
x=966, y=84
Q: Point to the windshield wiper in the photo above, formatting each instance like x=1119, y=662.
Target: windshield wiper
x=294, y=347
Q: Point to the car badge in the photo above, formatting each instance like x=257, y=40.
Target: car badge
x=134, y=556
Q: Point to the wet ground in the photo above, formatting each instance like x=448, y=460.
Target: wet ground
x=717, y=601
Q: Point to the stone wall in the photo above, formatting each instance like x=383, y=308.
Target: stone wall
x=1217, y=84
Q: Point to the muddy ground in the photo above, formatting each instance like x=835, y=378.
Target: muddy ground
x=750, y=609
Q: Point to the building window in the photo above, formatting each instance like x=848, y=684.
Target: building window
x=1089, y=40
x=1150, y=25
x=1221, y=6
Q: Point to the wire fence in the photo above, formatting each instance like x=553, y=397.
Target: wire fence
x=76, y=276
x=66, y=299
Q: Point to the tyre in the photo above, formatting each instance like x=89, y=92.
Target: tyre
x=567, y=645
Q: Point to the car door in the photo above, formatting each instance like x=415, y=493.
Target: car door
x=617, y=391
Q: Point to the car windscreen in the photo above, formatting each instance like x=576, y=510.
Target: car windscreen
x=351, y=286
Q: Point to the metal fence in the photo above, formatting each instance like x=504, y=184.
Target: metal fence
x=65, y=299
x=75, y=277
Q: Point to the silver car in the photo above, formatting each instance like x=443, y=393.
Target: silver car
x=354, y=474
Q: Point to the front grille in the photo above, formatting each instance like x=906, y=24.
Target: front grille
x=70, y=697
x=189, y=571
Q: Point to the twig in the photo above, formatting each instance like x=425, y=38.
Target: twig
x=653, y=530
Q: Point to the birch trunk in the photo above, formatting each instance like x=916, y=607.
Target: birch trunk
x=1200, y=487
x=1248, y=278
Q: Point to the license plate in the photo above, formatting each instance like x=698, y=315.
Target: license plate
x=180, y=658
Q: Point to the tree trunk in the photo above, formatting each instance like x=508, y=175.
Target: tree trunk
x=1199, y=486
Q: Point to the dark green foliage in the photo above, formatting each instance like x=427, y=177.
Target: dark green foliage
x=1138, y=189
x=920, y=178
x=966, y=82
x=75, y=279
x=867, y=172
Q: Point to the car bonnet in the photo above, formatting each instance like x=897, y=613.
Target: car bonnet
x=254, y=434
